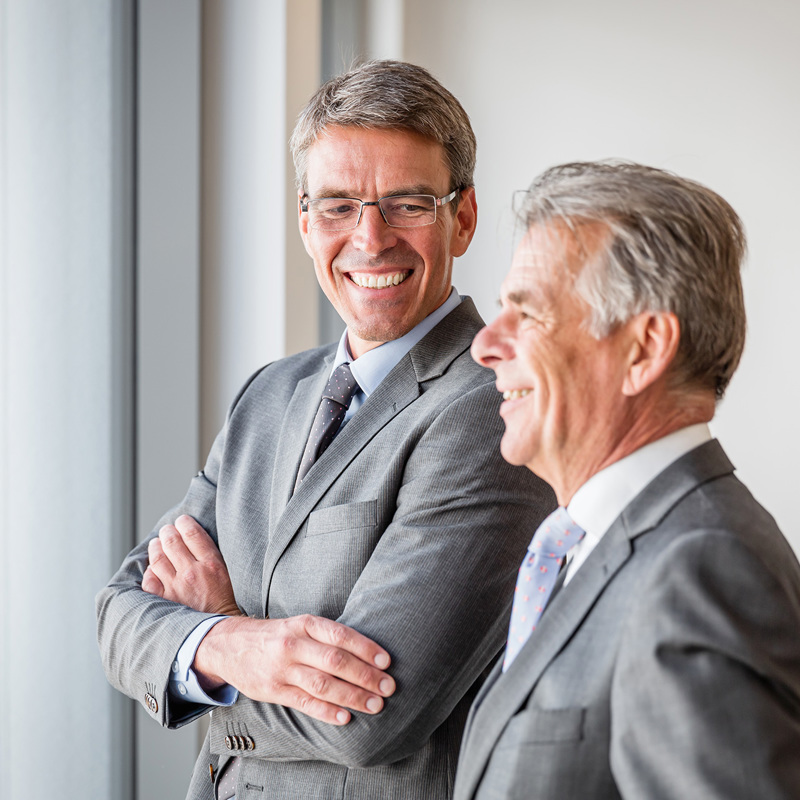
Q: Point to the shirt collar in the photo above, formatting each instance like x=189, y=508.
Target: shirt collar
x=371, y=368
x=606, y=494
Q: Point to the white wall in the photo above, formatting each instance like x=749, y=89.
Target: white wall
x=707, y=88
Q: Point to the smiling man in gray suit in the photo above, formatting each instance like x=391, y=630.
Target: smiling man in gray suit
x=667, y=665
x=356, y=487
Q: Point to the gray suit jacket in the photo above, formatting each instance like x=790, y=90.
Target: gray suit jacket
x=409, y=528
x=669, y=667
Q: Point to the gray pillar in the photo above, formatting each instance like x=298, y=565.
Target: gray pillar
x=168, y=316
x=66, y=389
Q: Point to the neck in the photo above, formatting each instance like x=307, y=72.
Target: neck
x=640, y=426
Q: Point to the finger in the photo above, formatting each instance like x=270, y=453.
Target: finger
x=311, y=706
x=151, y=584
x=198, y=542
x=175, y=549
x=334, y=633
x=329, y=689
x=342, y=664
x=159, y=562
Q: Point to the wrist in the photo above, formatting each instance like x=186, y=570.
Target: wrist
x=209, y=661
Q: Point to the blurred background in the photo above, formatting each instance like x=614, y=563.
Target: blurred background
x=150, y=261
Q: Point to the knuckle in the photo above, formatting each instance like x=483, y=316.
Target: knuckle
x=365, y=677
x=190, y=576
x=319, y=685
x=307, y=621
x=338, y=634
x=333, y=659
x=305, y=703
x=287, y=644
x=167, y=534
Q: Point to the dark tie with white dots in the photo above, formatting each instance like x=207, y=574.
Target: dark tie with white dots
x=332, y=409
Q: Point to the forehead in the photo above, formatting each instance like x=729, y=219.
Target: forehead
x=550, y=256
x=358, y=159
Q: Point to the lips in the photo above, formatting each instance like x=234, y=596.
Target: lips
x=371, y=281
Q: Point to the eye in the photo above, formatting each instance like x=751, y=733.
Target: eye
x=408, y=205
x=334, y=207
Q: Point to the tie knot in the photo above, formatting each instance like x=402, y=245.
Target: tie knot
x=556, y=535
x=341, y=385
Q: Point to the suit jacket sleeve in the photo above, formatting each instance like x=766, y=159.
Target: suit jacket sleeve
x=707, y=678
x=140, y=634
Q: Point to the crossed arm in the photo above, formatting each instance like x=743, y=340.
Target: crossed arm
x=308, y=663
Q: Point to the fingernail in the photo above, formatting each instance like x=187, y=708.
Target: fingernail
x=382, y=660
x=386, y=686
x=343, y=716
x=374, y=704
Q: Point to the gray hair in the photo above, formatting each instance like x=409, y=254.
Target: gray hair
x=673, y=245
x=388, y=94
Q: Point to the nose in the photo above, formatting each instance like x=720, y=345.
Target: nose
x=492, y=344
x=372, y=235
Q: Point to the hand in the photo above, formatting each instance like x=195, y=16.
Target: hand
x=187, y=568
x=308, y=663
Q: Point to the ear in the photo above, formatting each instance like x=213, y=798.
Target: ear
x=302, y=223
x=465, y=222
x=655, y=338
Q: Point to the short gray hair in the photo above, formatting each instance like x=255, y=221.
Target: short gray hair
x=674, y=245
x=389, y=94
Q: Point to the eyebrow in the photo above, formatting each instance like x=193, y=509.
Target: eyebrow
x=326, y=191
x=520, y=297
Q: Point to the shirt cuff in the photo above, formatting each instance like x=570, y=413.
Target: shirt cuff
x=183, y=682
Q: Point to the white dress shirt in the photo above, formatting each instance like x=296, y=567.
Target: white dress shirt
x=598, y=503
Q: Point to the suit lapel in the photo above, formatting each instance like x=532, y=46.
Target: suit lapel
x=561, y=619
x=297, y=422
x=501, y=699
x=427, y=360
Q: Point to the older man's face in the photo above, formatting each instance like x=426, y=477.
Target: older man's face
x=416, y=263
x=561, y=387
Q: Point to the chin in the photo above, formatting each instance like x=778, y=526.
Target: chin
x=511, y=453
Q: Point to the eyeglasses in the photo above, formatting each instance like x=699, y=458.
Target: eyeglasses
x=399, y=211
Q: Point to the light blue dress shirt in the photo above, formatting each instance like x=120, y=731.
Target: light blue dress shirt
x=369, y=370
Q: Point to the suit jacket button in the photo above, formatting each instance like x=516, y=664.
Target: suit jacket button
x=239, y=743
x=151, y=702
x=251, y=745
x=228, y=743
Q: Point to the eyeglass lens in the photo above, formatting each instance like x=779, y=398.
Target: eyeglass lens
x=403, y=211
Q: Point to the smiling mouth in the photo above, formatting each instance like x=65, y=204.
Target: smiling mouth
x=515, y=394
x=367, y=281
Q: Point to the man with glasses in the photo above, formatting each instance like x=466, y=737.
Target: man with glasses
x=338, y=576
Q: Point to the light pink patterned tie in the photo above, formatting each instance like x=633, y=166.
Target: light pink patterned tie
x=537, y=576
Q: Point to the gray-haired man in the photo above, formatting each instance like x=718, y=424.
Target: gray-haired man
x=668, y=665
x=405, y=525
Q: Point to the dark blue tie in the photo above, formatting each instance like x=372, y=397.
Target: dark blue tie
x=332, y=408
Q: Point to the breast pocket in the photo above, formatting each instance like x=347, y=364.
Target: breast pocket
x=544, y=726
x=316, y=574
x=351, y=516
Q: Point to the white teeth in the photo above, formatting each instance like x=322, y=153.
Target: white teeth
x=515, y=394
x=381, y=282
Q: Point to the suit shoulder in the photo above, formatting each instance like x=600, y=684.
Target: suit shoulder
x=281, y=376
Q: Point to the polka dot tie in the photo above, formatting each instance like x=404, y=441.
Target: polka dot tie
x=332, y=408
x=537, y=577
